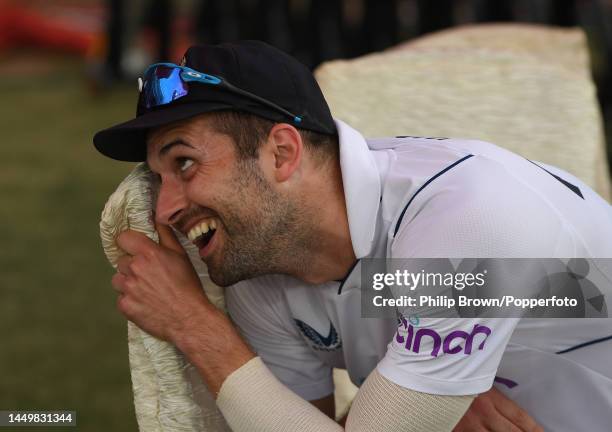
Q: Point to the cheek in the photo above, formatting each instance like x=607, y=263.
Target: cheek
x=206, y=190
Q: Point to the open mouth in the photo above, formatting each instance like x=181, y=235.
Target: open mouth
x=202, y=233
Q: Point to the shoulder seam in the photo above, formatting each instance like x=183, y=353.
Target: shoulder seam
x=431, y=179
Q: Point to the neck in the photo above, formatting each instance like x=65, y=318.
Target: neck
x=329, y=255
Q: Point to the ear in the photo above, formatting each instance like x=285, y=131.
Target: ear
x=285, y=146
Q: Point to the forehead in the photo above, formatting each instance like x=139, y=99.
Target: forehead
x=195, y=138
x=191, y=131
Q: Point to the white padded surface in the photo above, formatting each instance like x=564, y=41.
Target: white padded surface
x=524, y=87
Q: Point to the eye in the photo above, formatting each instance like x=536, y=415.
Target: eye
x=184, y=163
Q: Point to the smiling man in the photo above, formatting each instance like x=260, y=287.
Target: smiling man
x=283, y=201
x=241, y=224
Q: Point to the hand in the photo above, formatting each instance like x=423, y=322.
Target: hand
x=161, y=293
x=493, y=411
x=158, y=287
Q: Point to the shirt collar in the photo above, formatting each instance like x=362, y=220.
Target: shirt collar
x=362, y=188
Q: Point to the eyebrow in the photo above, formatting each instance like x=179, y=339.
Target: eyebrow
x=166, y=148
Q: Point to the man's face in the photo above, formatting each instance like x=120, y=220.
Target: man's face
x=204, y=182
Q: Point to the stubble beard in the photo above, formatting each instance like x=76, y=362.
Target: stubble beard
x=266, y=233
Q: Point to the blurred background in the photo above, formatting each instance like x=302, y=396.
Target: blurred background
x=68, y=69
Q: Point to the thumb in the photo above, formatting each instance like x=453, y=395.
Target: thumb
x=168, y=239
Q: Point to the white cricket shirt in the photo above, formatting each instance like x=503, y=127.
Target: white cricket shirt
x=436, y=197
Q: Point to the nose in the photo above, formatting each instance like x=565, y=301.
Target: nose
x=171, y=202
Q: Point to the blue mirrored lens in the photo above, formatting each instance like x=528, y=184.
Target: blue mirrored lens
x=162, y=85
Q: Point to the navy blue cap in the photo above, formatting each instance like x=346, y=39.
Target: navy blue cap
x=253, y=66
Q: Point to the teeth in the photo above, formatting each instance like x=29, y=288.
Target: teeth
x=201, y=228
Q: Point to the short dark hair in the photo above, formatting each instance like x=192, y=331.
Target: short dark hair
x=249, y=131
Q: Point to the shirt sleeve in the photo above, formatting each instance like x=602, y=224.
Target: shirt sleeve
x=259, y=309
x=460, y=356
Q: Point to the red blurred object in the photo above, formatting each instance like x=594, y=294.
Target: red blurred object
x=60, y=29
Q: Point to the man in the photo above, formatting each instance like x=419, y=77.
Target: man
x=283, y=203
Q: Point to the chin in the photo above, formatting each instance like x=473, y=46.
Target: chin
x=228, y=278
x=223, y=279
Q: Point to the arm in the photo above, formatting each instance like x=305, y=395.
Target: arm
x=489, y=411
x=251, y=399
x=492, y=411
x=160, y=292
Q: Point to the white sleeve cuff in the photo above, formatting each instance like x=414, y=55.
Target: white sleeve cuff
x=253, y=400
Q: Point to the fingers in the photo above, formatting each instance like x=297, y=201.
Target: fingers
x=123, y=285
x=118, y=282
x=484, y=416
x=133, y=242
x=123, y=265
x=514, y=413
x=501, y=424
x=136, y=243
x=168, y=239
x=469, y=423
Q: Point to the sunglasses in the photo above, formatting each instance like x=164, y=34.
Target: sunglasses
x=166, y=82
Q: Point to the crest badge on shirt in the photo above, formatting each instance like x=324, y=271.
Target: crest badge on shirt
x=318, y=341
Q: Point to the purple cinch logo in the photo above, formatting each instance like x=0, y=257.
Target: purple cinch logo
x=413, y=337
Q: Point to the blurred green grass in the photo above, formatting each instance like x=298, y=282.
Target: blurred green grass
x=63, y=342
